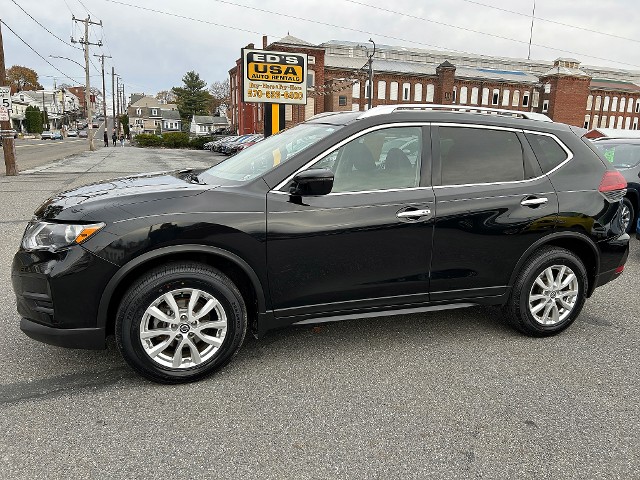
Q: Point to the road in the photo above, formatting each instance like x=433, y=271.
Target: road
x=32, y=153
x=452, y=395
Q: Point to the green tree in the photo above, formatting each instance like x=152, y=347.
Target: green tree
x=33, y=119
x=124, y=121
x=193, y=98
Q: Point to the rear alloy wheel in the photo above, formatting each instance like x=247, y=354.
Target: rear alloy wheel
x=627, y=216
x=548, y=294
x=180, y=322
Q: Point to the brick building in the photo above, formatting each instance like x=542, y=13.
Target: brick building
x=584, y=96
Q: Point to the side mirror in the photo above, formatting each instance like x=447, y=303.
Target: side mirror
x=315, y=181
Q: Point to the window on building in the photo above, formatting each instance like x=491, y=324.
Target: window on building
x=623, y=102
x=605, y=107
x=463, y=95
x=417, y=92
x=614, y=104
x=587, y=120
x=367, y=89
x=474, y=96
x=356, y=90
x=545, y=106
x=637, y=110
x=393, y=93
x=154, y=112
x=594, y=124
x=288, y=113
x=473, y=155
x=311, y=79
x=619, y=122
x=382, y=90
x=635, y=123
x=525, y=99
x=454, y=95
x=589, y=102
x=515, y=102
x=138, y=111
x=630, y=105
x=627, y=123
x=430, y=93
x=342, y=101
x=355, y=107
x=485, y=96
x=505, y=97
x=536, y=99
x=612, y=121
x=603, y=121
x=406, y=91
x=156, y=123
x=496, y=97
x=598, y=104
x=547, y=88
x=139, y=121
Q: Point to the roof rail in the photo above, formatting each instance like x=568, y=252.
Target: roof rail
x=384, y=109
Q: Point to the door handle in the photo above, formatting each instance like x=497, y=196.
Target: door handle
x=414, y=213
x=534, y=201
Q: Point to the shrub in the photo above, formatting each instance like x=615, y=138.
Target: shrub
x=197, y=143
x=175, y=140
x=148, y=140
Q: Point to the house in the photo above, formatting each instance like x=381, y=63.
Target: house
x=62, y=106
x=146, y=116
x=207, y=124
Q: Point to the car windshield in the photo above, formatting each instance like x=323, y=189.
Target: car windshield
x=620, y=154
x=267, y=154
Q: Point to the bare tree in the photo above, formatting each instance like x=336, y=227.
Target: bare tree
x=166, y=96
x=220, y=97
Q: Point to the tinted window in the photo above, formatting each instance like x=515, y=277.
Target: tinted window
x=475, y=155
x=547, y=151
x=621, y=155
x=380, y=160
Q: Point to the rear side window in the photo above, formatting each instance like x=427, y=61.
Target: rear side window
x=547, y=151
x=478, y=155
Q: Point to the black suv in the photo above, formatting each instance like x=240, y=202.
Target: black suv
x=400, y=209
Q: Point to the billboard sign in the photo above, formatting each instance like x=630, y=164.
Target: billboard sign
x=274, y=77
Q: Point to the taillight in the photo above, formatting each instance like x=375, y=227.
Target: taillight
x=612, y=180
x=613, y=186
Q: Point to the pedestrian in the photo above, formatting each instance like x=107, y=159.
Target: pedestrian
x=114, y=137
x=106, y=139
x=122, y=140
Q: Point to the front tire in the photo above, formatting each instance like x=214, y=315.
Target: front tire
x=548, y=293
x=180, y=322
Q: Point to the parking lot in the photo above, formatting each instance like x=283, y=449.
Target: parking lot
x=451, y=394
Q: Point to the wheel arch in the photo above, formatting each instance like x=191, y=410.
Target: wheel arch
x=579, y=244
x=238, y=270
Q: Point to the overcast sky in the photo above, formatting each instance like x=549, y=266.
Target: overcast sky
x=152, y=51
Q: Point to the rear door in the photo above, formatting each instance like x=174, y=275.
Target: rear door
x=492, y=203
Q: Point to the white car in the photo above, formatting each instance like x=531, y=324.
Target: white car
x=72, y=133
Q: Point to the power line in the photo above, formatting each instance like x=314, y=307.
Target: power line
x=49, y=31
x=83, y=6
x=406, y=40
x=36, y=52
x=553, y=21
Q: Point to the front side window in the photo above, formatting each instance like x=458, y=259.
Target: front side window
x=478, y=155
x=384, y=159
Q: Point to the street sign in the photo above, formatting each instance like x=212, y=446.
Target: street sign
x=5, y=97
x=274, y=77
x=4, y=114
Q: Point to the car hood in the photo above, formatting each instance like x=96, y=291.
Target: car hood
x=93, y=201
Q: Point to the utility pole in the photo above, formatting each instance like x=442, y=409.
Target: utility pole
x=87, y=88
x=118, y=105
x=8, y=146
x=104, y=91
x=370, y=102
x=113, y=95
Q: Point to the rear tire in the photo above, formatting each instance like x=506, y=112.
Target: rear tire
x=628, y=215
x=548, y=294
x=180, y=322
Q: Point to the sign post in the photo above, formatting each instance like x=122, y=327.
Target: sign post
x=275, y=79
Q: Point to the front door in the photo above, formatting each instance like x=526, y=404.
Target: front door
x=366, y=244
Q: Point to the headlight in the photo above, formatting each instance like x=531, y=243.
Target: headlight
x=53, y=236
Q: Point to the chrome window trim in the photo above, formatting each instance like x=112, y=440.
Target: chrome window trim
x=509, y=129
x=280, y=192
x=343, y=142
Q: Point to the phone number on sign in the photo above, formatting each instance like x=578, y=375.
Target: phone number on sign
x=274, y=94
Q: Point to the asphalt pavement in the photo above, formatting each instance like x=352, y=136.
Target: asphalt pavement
x=454, y=394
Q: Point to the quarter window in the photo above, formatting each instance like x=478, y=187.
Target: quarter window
x=379, y=160
x=547, y=151
x=474, y=155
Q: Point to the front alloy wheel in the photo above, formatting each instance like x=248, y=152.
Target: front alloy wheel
x=180, y=322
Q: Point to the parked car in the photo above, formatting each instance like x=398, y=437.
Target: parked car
x=83, y=134
x=624, y=154
x=46, y=135
x=219, y=145
x=229, y=147
x=72, y=133
x=326, y=221
x=56, y=135
x=250, y=142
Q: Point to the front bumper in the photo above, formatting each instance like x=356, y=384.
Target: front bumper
x=87, y=338
x=58, y=293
